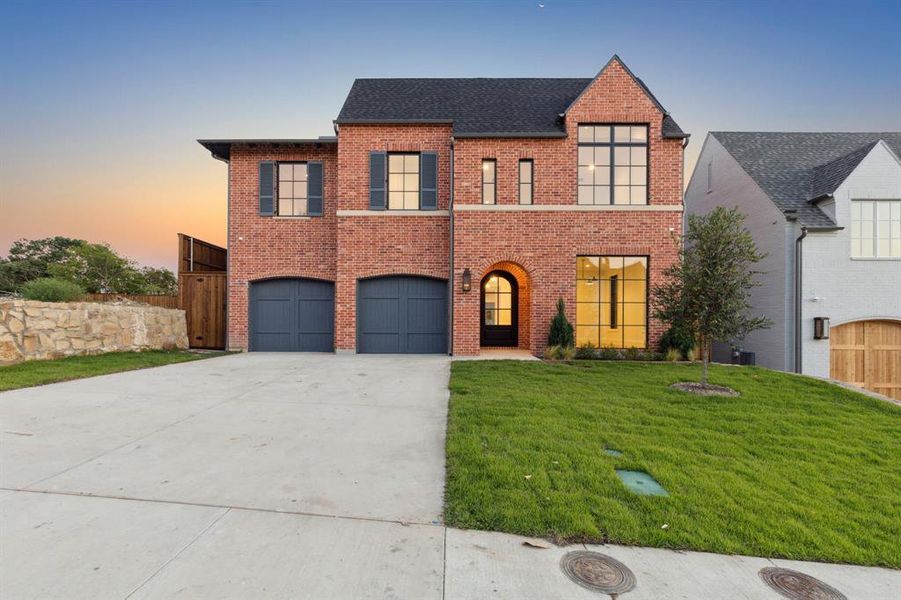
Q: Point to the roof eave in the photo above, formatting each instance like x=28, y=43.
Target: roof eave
x=511, y=134
x=392, y=121
x=221, y=149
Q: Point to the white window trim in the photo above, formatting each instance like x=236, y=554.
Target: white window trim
x=875, y=221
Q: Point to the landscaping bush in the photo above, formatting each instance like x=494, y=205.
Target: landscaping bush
x=587, y=351
x=673, y=355
x=559, y=353
x=609, y=354
x=51, y=289
x=677, y=338
x=561, y=333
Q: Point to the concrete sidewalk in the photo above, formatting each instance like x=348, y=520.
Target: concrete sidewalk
x=283, y=476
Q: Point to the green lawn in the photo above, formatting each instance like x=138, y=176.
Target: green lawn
x=794, y=467
x=39, y=372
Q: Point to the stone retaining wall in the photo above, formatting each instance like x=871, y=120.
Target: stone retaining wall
x=42, y=330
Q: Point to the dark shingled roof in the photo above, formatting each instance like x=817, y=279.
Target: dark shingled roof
x=796, y=168
x=476, y=107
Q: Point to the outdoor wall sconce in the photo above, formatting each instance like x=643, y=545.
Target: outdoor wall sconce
x=821, y=328
x=467, y=280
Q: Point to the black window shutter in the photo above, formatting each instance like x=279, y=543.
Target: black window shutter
x=377, y=168
x=314, y=188
x=428, y=181
x=267, y=187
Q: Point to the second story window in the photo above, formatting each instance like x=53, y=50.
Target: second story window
x=292, y=189
x=613, y=164
x=489, y=181
x=876, y=228
x=403, y=181
x=526, y=181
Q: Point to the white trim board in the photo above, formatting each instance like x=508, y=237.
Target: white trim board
x=571, y=207
x=393, y=213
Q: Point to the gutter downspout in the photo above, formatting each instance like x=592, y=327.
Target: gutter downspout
x=450, y=279
x=798, y=241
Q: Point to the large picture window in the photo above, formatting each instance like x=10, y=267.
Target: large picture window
x=403, y=181
x=292, y=190
x=612, y=301
x=613, y=164
x=876, y=228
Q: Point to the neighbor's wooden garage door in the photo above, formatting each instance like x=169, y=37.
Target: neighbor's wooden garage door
x=867, y=354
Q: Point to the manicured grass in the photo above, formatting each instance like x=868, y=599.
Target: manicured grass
x=794, y=467
x=40, y=372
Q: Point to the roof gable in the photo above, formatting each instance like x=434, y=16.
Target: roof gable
x=795, y=168
x=480, y=107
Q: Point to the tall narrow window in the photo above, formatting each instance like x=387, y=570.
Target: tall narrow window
x=403, y=181
x=611, y=301
x=876, y=228
x=613, y=164
x=526, y=181
x=709, y=177
x=489, y=181
x=292, y=189
x=614, y=301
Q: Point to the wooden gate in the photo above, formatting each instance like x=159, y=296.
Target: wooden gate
x=867, y=354
x=202, y=297
x=202, y=291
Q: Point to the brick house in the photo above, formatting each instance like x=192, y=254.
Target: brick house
x=449, y=215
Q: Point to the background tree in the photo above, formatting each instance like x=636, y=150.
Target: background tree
x=159, y=281
x=707, y=289
x=97, y=269
x=31, y=259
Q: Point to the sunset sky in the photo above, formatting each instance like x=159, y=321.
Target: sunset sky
x=101, y=102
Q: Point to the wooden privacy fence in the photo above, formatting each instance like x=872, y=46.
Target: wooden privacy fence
x=152, y=299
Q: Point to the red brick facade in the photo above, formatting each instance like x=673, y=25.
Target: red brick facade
x=264, y=247
x=537, y=244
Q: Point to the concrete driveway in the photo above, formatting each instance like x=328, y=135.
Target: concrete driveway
x=191, y=468
x=284, y=476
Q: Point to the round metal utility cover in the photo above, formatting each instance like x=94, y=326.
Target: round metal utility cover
x=597, y=572
x=798, y=586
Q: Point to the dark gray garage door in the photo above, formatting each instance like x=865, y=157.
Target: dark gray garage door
x=402, y=315
x=292, y=315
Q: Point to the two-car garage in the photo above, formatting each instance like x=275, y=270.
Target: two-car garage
x=395, y=314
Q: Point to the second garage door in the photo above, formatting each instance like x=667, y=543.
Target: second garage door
x=402, y=314
x=292, y=315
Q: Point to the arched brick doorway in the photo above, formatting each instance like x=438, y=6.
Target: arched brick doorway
x=520, y=318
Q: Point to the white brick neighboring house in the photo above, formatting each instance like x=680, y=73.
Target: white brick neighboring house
x=826, y=208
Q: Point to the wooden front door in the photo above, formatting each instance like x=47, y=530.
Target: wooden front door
x=500, y=302
x=867, y=354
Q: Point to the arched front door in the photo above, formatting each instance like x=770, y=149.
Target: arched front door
x=500, y=299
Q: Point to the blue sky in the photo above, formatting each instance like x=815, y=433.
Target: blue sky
x=102, y=101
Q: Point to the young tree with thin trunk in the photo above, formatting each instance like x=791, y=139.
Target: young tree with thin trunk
x=707, y=289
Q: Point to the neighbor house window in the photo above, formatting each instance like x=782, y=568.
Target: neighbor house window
x=489, y=181
x=403, y=181
x=292, y=189
x=613, y=164
x=612, y=301
x=876, y=228
x=526, y=181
